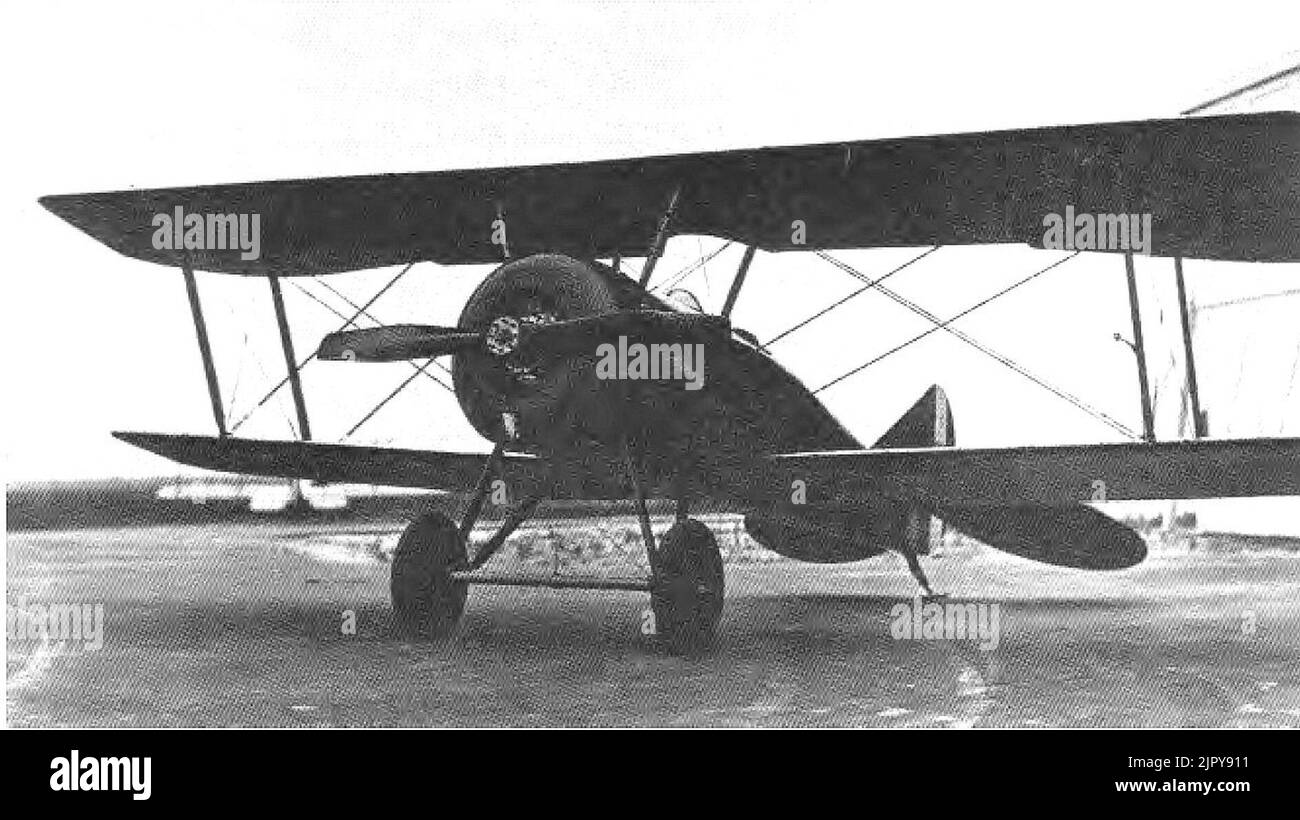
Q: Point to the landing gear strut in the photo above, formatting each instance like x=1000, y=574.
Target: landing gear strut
x=432, y=569
x=427, y=581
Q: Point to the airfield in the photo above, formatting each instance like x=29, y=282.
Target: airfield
x=243, y=624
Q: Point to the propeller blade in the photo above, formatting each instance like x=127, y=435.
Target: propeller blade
x=394, y=343
x=649, y=326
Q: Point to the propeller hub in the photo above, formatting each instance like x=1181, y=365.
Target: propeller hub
x=502, y=337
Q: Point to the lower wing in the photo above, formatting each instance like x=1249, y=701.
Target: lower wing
x=1029, y=501
x=334, y=463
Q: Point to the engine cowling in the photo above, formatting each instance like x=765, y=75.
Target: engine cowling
x=552, y=400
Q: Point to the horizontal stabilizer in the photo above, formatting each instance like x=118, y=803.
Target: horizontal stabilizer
x=1054, y=476
x=1074, y=536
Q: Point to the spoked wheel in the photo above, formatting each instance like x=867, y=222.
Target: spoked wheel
x=427, y=602
x=688, y=588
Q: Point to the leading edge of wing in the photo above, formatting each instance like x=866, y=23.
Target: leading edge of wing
x=333, y=463
x=1215, y=188
x=1053, y=475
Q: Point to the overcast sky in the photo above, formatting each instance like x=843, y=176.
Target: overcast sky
x=106, y=96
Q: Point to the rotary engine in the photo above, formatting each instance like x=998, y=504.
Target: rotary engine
x=542, y=392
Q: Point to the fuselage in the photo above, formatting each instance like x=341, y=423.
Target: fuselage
x=714, y=418
x=706, y=440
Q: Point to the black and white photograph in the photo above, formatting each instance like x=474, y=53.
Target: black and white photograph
x=652, y=365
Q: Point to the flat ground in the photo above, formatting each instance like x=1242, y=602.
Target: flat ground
x=244, y=625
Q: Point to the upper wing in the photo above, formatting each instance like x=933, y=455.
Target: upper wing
x=1216, y=187
x=1051, y=476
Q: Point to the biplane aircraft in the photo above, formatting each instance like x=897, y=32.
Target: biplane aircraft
x=525, y=353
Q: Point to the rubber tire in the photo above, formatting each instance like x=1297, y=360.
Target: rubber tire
x=688, y=589
x=427, y=602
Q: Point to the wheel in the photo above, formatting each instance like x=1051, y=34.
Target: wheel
x=427, y=602
x=688, y=587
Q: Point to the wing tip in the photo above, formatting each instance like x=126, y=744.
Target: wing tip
x=58, y=204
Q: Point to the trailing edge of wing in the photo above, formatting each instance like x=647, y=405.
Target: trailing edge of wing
x=1215, y=187
x=338, y=463
x=1050, y=476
